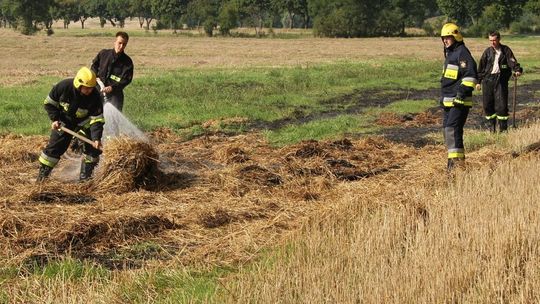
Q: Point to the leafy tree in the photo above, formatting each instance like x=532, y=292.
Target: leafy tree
x=293, y=8
x=228, y=17
x=346, y=18
x=65, y=10
x=529, y=22
x=512, y=9
x=257, y=10
x=303, y=10
x=118, y=11
x=455, y=10
x=391, y=22
x=533, y=7
x=6, y=15
x=142, y=9
x=467, y=12
x=203, y=12
x=98, y=8
x=82, y=11
x=169, y=11
x=407, y=13
x=28, y=14
x=491, y=20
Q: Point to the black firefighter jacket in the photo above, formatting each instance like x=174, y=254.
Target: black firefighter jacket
x=459, y=76
x=507, y=63
x=65, y=103
x=113, y=69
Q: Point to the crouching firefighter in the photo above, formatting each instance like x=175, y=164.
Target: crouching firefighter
x=73, y=103
x=457, y=84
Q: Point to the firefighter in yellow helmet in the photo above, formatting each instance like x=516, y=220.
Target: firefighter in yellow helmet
x=458, y=80
x=75, y=104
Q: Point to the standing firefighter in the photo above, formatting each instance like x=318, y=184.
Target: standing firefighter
x=75, y=104
x=115, y=69
x=495, y=69
x=457, y=84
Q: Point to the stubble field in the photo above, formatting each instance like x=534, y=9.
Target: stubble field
x=231, y=217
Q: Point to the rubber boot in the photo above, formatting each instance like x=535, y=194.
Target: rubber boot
x=86, y=170
x=503, y=125
x=44, y=172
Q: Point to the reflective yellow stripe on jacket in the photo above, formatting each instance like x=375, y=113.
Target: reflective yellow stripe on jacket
x=49, y=100
x=91, y=120
x=469, y=81
x=449, y=101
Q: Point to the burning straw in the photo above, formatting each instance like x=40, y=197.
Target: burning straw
x=126, y=166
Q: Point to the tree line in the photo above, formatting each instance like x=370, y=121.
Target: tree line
x=329, y=18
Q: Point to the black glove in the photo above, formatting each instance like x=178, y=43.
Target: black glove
x=76, y=146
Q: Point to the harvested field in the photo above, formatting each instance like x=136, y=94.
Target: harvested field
x=215, y=199
x=61, y=54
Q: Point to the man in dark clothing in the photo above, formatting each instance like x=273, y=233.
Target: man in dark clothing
x=114, y=68
x=457, y=84
x=495, y=69
x=75, y=104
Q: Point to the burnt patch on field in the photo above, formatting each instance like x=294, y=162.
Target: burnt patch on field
x=258, y=175
x=216, y=219
x=342, y=159
x=396, y=124
x=61, y=197
x=92, y=234
x=216, y=198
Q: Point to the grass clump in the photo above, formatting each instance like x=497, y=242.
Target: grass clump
x=72, y=270
x=173, y=286
x=328, y=128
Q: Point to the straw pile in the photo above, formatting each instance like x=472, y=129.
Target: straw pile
x=127, y=165
x=219, y=199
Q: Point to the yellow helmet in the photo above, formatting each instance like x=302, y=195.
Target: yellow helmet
x=85, y=77
x=450, y=29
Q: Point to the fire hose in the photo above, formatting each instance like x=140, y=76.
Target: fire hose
x=102, y=86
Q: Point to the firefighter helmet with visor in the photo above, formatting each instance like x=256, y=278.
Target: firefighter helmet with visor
x=451, y=29
x=85, y=77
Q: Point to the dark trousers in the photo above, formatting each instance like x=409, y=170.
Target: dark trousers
x=453, y=123
x=59, y=143
x=495, y=97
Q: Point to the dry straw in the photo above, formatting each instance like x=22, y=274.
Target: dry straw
x=127, y=165
x=216, y=198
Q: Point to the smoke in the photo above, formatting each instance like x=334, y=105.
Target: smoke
x=116, y=125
